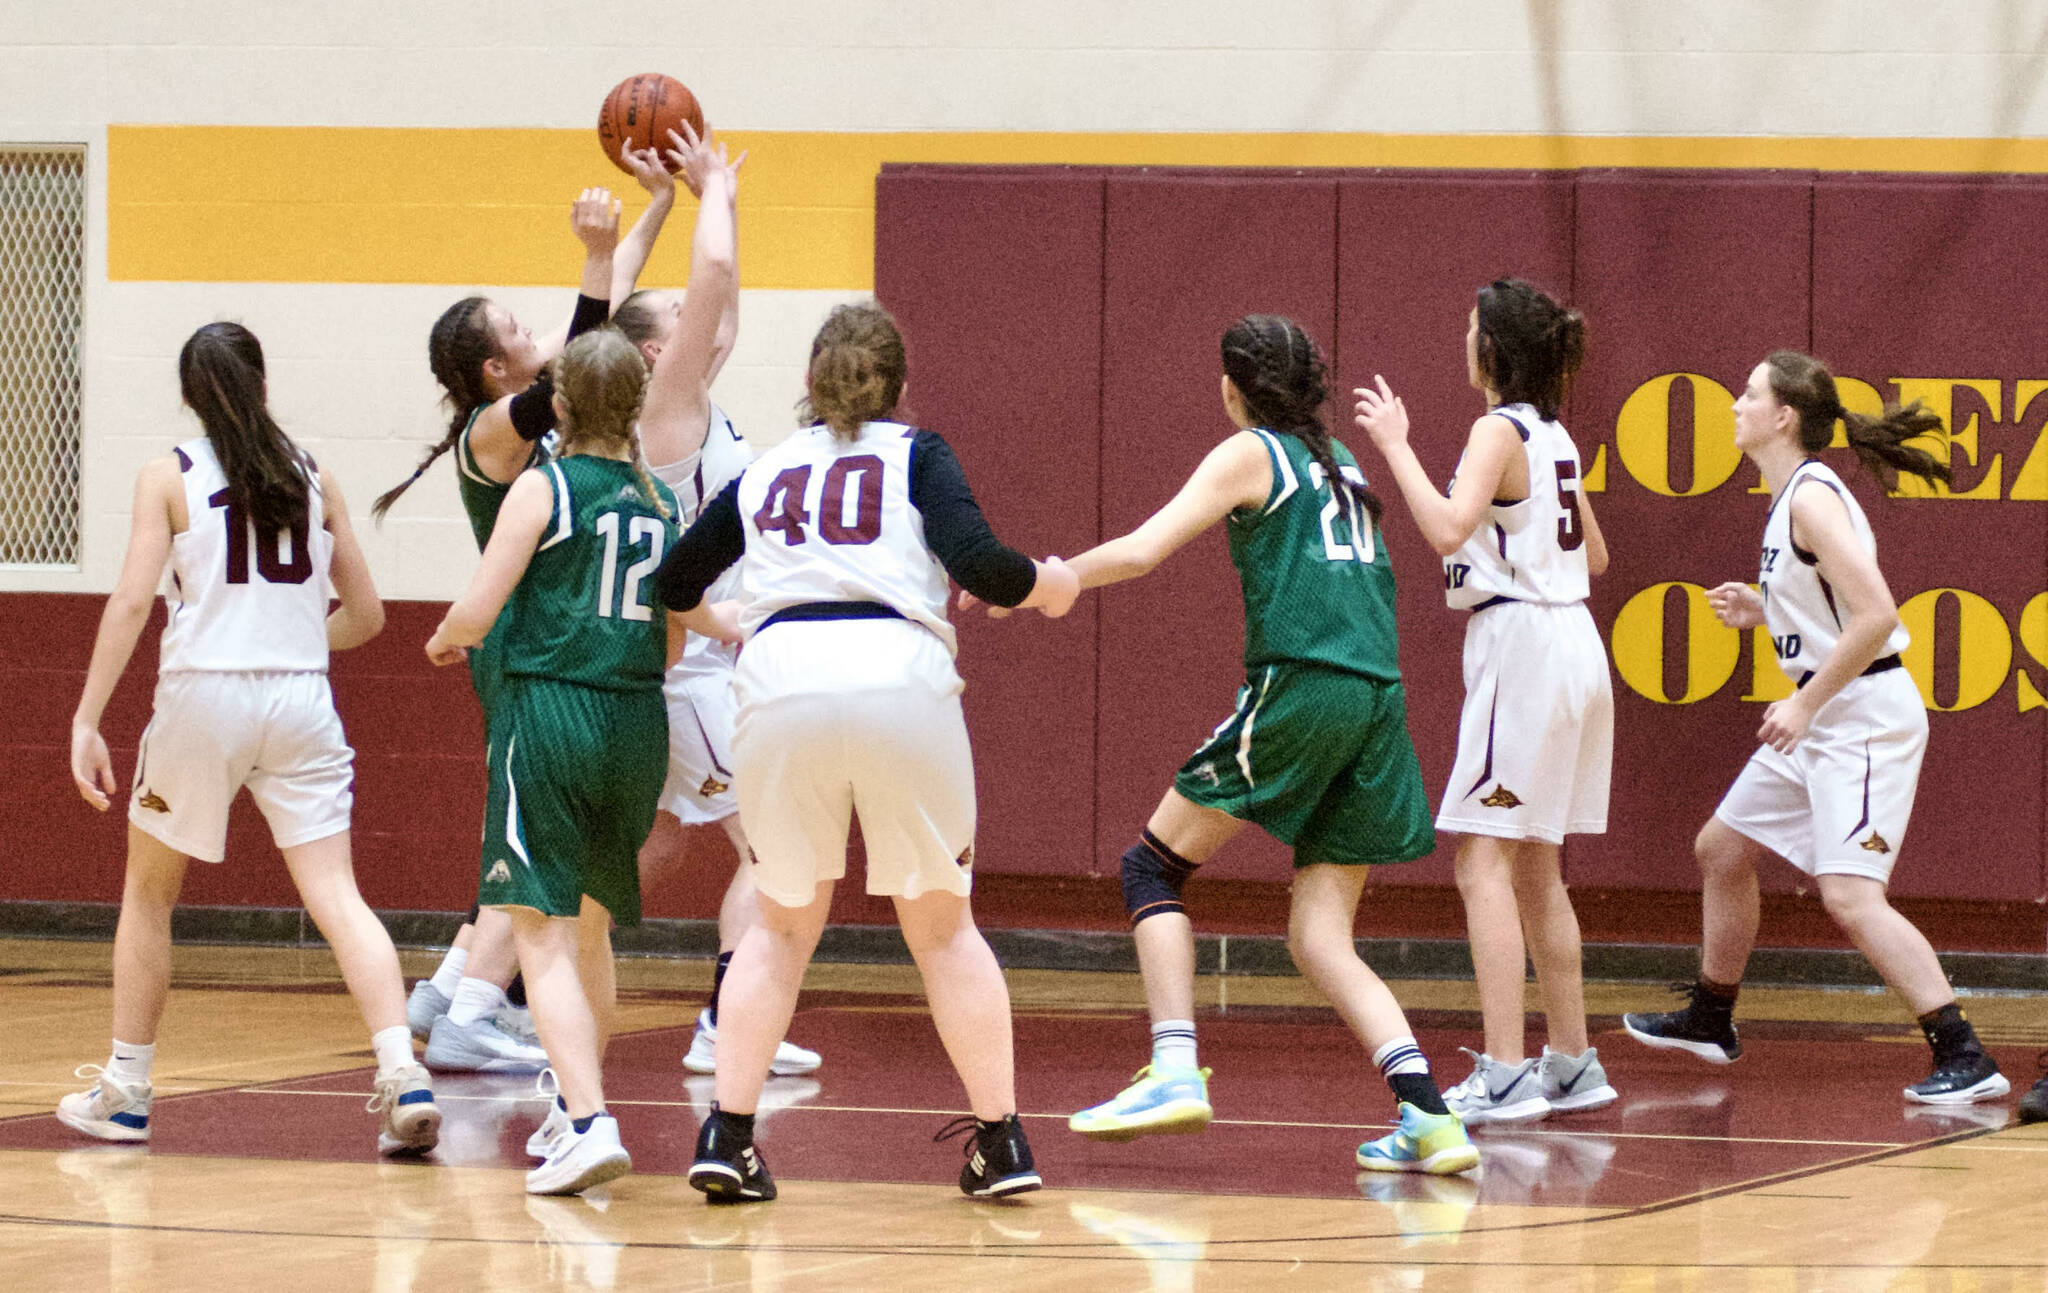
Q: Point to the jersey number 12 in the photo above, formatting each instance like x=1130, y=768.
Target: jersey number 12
x=644, y=529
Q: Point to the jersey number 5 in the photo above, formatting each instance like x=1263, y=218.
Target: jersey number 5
x=782, y=509
x=644, y=529
x=1571, y=527
x=296, y=568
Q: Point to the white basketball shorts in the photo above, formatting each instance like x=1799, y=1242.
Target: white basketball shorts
x=1839, y=803
x=701, y=714
x=846, y=717
x=213, y=733
x=1536, y=736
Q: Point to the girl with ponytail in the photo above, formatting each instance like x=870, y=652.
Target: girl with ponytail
x=1830, y=789
x=1536, y=736
x=254, y=534
x=578, y=729
x=1316, y=751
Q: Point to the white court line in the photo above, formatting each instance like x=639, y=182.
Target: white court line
x=1219, y=1122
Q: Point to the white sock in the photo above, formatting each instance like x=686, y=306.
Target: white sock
x=129, y=1063
x=449, y=976
x=1400, y=1055
x=394, y=1048
x=1173, y=1044
x=475, y=999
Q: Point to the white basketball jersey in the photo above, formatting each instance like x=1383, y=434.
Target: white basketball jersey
x=697, y=480
x=1799, y=606
x=239, y=600
x=830, y=520
x=1531, y=550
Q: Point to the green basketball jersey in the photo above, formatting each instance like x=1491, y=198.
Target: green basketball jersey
x=586, y=610
x=482, y=496
x=1313, y=592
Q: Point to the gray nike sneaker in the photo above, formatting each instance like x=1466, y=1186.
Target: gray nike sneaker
x=1574, y=1082
x=1497, y=1092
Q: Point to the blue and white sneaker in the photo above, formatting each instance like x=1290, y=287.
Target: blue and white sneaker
x=112, y=1110
x=491, y=1044
x=1574, y=1082
x=1172, y=1101
x=411, y=1122
x=557, y=1121
x=426, y=1004
x=1435, y=1143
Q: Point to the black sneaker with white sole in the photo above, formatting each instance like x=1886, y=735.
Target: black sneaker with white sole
x=728, y=1168
x=998, y=1157
x=1963, y=1078
x=1705, y=1033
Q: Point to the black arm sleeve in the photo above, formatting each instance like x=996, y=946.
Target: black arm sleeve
x=957, y=532
x=533, y=409
x=704, y=552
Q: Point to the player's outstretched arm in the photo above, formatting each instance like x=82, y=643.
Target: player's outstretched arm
x=1236, y=474
x=524, y=516
x=677, y=413
x=360, y=616
x=638, y=244
x=594, y=218
x=158, y=491
x=1446, y=522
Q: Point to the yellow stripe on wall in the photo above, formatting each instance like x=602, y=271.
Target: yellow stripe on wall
x=474, y=206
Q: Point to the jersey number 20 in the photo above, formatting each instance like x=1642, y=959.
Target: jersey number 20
x=782, y=509
x=1361, y=546
x=644, y=529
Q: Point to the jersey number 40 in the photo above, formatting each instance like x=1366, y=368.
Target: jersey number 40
x=782, y=510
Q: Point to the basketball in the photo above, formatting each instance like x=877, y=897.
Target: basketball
x=641, y=110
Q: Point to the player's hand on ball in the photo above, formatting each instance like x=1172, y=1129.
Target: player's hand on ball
x=645, y=166
x=1381, y=414
x=1737, y=605
x=595, y=218
x=1785, y=723
x=91, y=769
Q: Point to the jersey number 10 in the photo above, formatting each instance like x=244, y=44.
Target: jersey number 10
x=295, y=568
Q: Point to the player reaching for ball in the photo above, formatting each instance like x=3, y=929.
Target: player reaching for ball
x=492, y=373
x=1831, y=787
x=693, y=447
x=578, y=735
x=253, y=532
x=849, y=703
x=1536, y=738
x=1316, y=751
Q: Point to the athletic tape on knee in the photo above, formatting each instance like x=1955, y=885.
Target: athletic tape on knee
x=1153, y=877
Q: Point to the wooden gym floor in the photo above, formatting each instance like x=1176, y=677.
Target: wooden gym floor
x=1798, y=1168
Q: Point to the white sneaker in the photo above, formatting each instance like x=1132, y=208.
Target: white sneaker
x=790, y=1060
x=111, y=1110
x=579, y=1160
x=426, y=1004
x=411, y=1122
x=518, y=1021
x=1571, y=1083
x=557, y=1121
x=489, y=1045
x=1497, y=1092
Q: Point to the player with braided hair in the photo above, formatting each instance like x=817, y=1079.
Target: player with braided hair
x=1536, y=737
x=1316, y=751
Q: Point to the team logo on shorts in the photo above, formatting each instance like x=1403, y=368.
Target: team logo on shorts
x=153, y=801
x=499, y=873
x=966, y=858
x=1502, y=797
x=1875, y=844
x=712, y=786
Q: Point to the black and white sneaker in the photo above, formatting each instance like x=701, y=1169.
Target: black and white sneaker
x=2034, y=1104
x=998, y=1157
x=1964, y=1078
x=1690, y=1029
x=728, y=1167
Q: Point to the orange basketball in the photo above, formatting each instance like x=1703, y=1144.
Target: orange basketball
x=641, y=110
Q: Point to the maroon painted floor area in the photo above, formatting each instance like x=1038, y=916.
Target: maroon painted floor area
x=1292, y=1093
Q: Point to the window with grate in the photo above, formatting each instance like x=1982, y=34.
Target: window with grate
x=42, y=299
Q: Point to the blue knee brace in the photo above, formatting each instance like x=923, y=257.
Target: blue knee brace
x=1153, y=877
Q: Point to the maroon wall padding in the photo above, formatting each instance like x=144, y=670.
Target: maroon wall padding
x=1943, y=278
x=1009, y=371
x=1412, y=249
x=1185, y=255
x=1700, y=274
